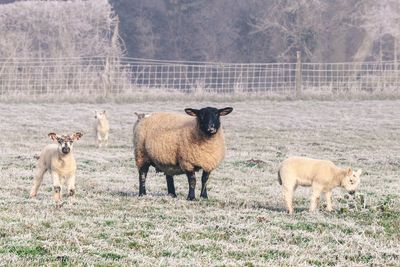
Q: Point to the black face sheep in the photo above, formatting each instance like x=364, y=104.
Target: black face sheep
x=178, y=144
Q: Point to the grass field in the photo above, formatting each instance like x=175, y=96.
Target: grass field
x=242, y=223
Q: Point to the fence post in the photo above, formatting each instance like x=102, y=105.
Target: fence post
x=298, y=74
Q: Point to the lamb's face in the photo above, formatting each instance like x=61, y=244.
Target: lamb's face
x=65, y=142
x=209, y=118
x=99, y=114
x=351, y=180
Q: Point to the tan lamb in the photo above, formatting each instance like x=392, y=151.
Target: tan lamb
x=102, y=128
x=321, y=175
x=59, y=160
x=176, y=144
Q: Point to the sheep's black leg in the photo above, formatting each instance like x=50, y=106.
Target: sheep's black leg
x=142, y=179
x=170, y=185
x=192, y=185
x=204, y=179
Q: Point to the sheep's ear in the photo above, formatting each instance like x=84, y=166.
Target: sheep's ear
x=358, y=172
x=349, y=171
x=77, y=136
x=104, y=112
x=225, y=111
x=191, y=111
x=53, y=136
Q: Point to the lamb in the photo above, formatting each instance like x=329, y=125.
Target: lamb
x=59, y=160
x=102, y=128
x=177, y=144
x=321, y=175
x=140, y=116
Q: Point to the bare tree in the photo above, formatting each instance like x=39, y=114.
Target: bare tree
x=56, y=29
x=377, y=19
x=298, y=23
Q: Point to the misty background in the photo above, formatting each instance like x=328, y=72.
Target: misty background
x=191, y=30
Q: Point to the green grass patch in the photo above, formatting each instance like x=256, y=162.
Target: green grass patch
x=111, y=256
x=210, y=234
x=315, y=262
x=363, y=258
x=26, y=251
x=274, y=254
x=307, y=226
x=109, y=222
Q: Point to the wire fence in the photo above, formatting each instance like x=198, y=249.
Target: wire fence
x=118, y=76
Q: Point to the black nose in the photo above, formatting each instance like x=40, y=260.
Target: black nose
x=352, y=192
x=212, y=130
x=65, y=150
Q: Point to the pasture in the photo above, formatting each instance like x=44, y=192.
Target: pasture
x=242, y=223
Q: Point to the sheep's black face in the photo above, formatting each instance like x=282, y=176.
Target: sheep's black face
x=208, y=118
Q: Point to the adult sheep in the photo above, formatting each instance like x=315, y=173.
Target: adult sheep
x=177, y=144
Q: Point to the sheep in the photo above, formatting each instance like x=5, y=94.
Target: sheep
x=102, y=128
x=177, y=144
x=59, y=160
x=321, y=175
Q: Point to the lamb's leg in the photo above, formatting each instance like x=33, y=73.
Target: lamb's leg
x=71, y=186
x=204, y=179
x=106, y=139
x=57, y=187
x=37, y=180
x=288, y=197
x=98, y=140
x=315, y=198
x=171, y=185
x=142, y=179
x=192, y=185
x=328, y=196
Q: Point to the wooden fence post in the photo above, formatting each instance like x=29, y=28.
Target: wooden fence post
x=298, y=74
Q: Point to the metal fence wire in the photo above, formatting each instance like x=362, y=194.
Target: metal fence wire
x=29, y=76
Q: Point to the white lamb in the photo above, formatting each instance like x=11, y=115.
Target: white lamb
x=102, y=128
x=321, y=175
x=59, y=160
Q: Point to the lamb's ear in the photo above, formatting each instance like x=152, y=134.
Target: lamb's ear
x=104, y=112
x=191, y=111
x=358, y=172
x=77, y=136
x=349, y=171
x=53, y=136
x=225, y=111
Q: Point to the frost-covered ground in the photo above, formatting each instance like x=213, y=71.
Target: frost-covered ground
x=242, y=223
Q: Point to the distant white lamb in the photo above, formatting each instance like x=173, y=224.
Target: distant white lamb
x=59, y=160
x=102, y=128
x=321, y=175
